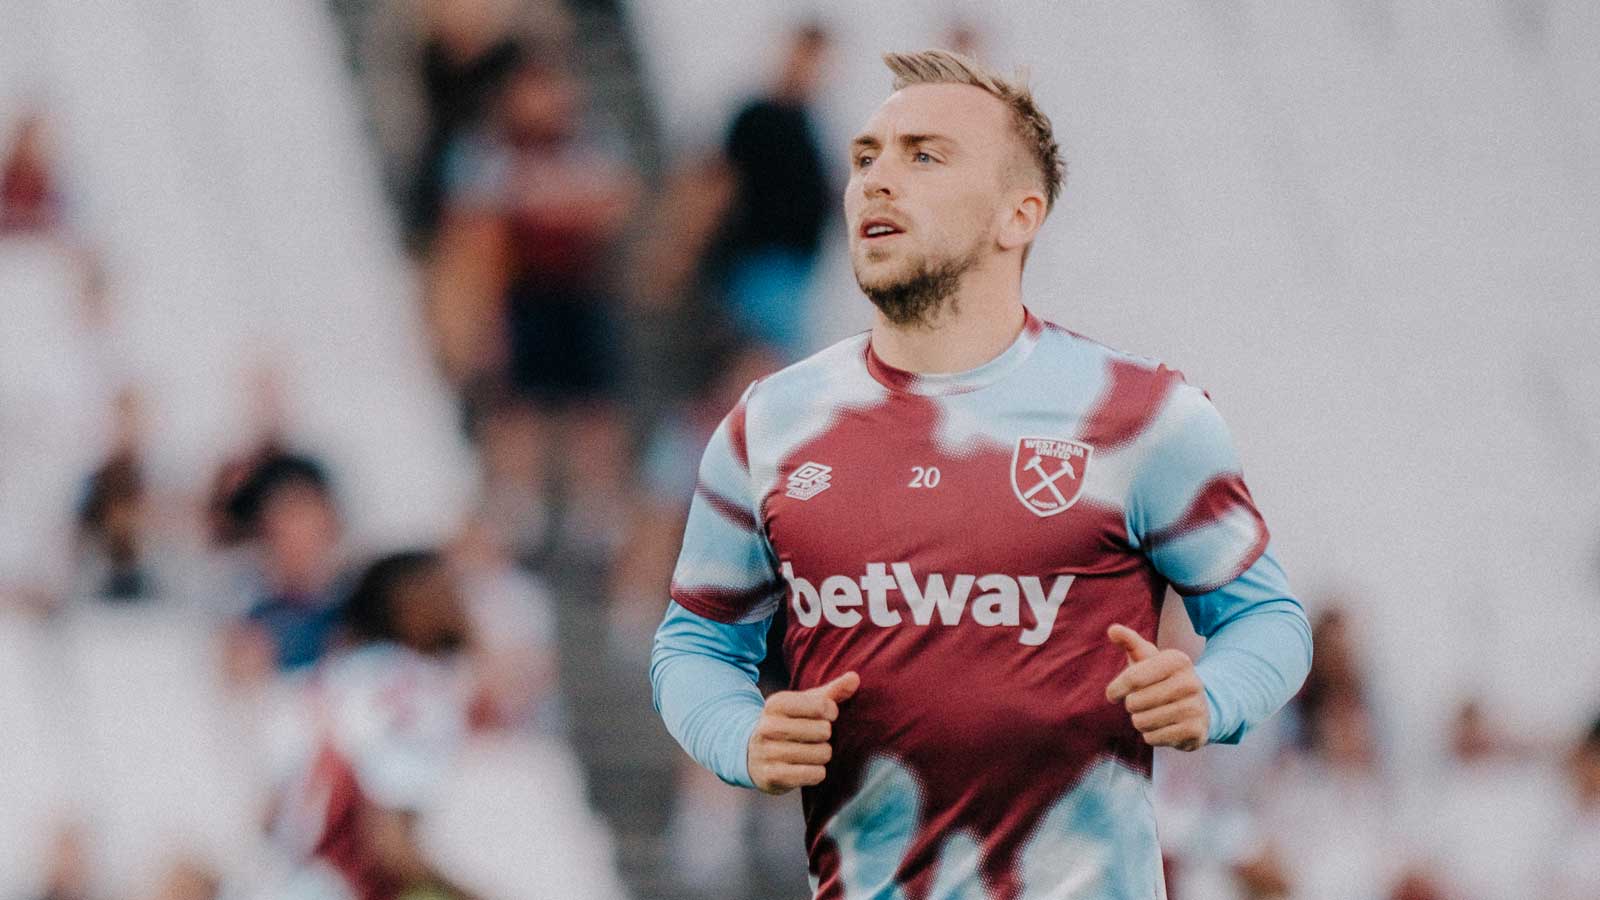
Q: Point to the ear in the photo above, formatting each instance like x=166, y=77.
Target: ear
x=1022, y=220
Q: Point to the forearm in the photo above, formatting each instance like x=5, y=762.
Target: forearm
x=1252, y=667
x=703, y=677
x=711, y=708
x=1258, y=648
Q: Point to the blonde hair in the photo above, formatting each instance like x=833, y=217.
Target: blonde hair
x=1032, y=126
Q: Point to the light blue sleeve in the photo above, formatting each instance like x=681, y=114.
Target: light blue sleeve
x=1188, y=507
x=1258, y=647
x=725, y=590
x=1190, y=512
x=703, y=679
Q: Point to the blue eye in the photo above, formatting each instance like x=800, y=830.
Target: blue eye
x=922, y=156
x=863, y=161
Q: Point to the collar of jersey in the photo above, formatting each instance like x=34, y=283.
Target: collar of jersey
x=937, y=383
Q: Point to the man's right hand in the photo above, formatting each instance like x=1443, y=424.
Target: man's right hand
x=789, y=748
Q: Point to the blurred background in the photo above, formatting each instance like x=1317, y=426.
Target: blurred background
x=356, y=357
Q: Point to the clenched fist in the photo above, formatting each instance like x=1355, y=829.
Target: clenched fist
x=1161, y=691
x=789, y=748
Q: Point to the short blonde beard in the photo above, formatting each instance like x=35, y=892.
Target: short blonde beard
x=931, y=290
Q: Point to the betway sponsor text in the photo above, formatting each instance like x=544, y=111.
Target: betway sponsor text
x=839, y=599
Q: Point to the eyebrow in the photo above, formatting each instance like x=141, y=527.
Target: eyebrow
x=868, y=142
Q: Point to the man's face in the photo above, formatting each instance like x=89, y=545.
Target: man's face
x=430, y=614
x=540, y=106
x=804, y=68
x=300, y=531
x=926, y=194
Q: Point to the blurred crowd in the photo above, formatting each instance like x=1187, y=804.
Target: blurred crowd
x=596, y=310
x=1320, y=803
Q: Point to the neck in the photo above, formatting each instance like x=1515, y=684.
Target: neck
x=975, y=325
x=303, y=579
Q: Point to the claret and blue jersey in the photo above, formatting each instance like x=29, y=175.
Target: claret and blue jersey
x=963, y=542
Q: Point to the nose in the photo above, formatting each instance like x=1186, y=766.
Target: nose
x=878, y=179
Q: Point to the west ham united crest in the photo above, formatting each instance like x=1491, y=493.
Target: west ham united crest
x=1047, y=473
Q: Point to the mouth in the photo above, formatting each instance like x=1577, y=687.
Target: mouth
x=878, y=229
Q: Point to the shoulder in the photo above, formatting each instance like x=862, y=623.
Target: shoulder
x=792, y=401
x=1130, y=393
x=834, y=375
x=1132, y=368
x=1149, y=414
x=750, y=117
x=801, y=402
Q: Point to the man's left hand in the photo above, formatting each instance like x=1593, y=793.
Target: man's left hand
x=1161, y=691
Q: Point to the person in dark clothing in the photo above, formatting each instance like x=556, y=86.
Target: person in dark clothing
x=286, y=508
x=773, y=231
x=116, y=517
x=111, y=527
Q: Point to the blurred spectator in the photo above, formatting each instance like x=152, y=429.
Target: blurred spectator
x=1419, y=886
x=774, y=230
x=1574, y=855
x=35, y=205
x=112, y=531
x=1336, y=672
x=114, y=519
x=467, y=53
x=596, y=456
x=224, y=524
x=287, y=510
x=544, y=204
x=30, y=199
x=377, y=731
x=524, y=285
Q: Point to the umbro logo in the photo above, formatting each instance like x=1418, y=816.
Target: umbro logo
x=809, y=480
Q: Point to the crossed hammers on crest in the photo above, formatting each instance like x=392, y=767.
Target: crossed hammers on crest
x=1037, y=465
